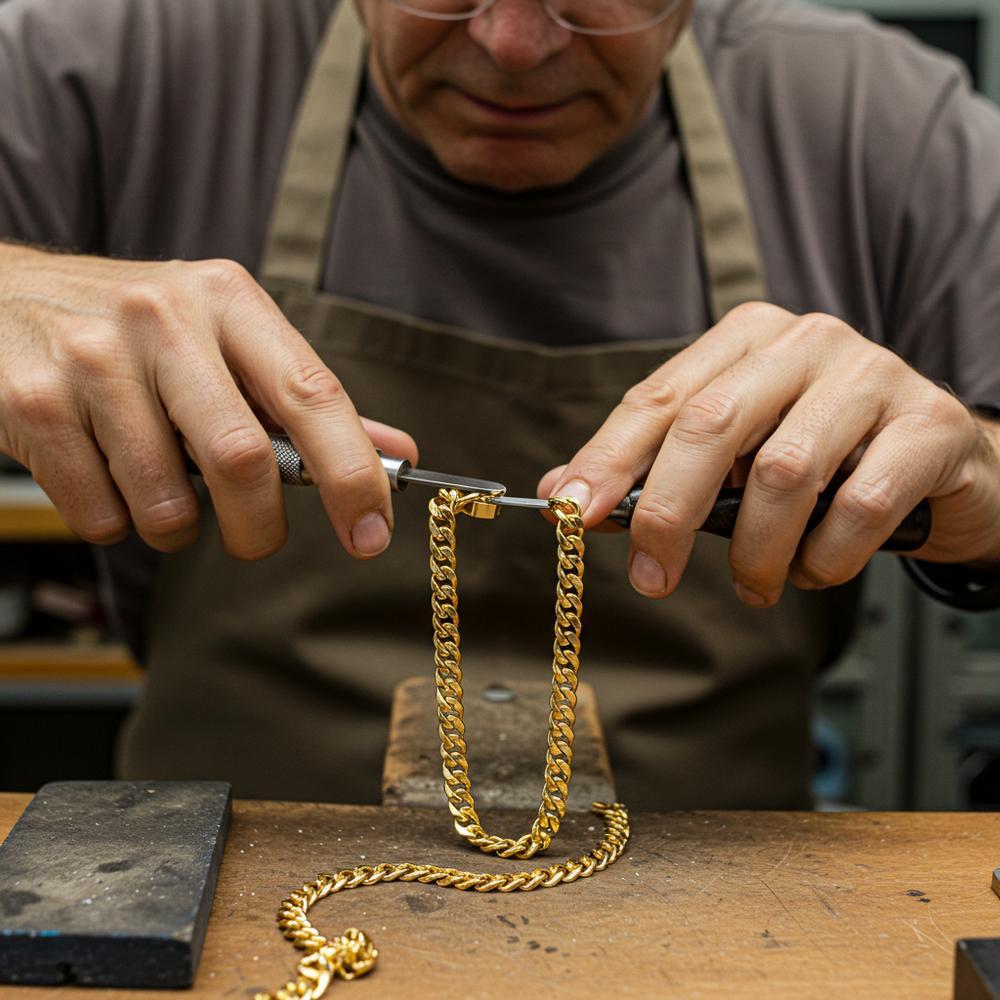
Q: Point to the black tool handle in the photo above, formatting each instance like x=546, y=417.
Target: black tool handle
x=910, y=535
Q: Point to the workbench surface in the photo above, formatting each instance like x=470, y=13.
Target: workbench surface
x=701, y=905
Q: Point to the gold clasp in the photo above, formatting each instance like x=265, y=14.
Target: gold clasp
x=479, y=505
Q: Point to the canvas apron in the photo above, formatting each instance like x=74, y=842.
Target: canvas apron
x=278, y=675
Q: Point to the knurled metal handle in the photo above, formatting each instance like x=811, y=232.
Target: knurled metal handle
x=290, y=466
x=294, y=473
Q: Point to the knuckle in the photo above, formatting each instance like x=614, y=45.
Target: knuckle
x=361, y=479
x=785, y=467
x=881, y=365
x=241, y=452
x=223, y=275
x=939, y=408
x=656, y=515
x=654, y=394
x=228, y=283
x=822, y=574
x=604, y=456
x=104, y=530
x=817, y=333
x=757, y=313
x=94, y=351
x=171, y=516
x=38, y=400
x=865, y=504
x=149, y=304
x=311, y=384
x=706, y=417
x=820, y=325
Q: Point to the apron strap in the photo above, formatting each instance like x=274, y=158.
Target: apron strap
x=302, y=215
x=303, y=205
x=733, y=265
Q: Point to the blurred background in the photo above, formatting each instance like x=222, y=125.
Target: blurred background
x=908, y=719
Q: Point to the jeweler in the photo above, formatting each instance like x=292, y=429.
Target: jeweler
x=505, y=232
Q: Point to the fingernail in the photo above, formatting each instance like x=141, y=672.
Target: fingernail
x=370, y=534
x=579, y=491
x=750, y=597
x=647, y=575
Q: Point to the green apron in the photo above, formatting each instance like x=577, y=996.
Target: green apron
x=278, y=675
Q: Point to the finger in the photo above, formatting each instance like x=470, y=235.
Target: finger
x=229, y=445
x=547, y=483
x=73, y=472
x=285, y=375
x=147, y=467
x=391, y=441
x=896, y=472
x=724, y=421
x=813, y=442
x=43, y=430
x=545, y=491
x=623, y=449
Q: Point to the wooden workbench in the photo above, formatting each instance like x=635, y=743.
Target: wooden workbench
x=702, y=905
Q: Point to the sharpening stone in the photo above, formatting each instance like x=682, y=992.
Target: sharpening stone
x=110, y=883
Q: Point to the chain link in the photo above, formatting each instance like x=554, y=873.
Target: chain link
x=353, y=954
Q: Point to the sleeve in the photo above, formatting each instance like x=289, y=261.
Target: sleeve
x=50, y=183
x=148, y=128
x=943, y=302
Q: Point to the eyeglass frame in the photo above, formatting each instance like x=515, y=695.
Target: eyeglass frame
x=547, y=7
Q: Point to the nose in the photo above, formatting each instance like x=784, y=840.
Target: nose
x=518, y=35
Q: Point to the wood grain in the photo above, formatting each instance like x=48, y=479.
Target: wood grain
x=507, y=755
x=706, y=905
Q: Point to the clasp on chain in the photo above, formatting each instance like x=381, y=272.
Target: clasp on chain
x=479, y=505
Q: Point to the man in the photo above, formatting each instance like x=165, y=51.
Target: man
x=507, y=246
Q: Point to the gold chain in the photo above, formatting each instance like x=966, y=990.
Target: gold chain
x=353, y=954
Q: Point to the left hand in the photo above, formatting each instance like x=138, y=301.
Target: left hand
x=797, y=399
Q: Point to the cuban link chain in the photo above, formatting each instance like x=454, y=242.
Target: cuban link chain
x=448, y=675
x=352, y=953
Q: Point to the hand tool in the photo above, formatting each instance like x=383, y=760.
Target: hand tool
x=911, y=534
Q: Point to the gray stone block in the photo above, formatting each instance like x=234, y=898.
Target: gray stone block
x=110, y=883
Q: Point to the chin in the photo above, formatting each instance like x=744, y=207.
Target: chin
x=507, y=166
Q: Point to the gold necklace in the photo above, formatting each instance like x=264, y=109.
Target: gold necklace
x=352, y=953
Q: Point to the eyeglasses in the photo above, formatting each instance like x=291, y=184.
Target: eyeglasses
x=588, y=17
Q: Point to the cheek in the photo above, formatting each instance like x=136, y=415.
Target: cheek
x=400, y=46
x=634, y=64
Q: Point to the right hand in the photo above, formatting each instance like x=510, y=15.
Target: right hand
x=104, y=362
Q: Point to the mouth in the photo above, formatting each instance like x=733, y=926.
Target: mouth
x=513, y=113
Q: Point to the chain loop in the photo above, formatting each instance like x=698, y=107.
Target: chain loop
x=448, y=675
x=353, y=954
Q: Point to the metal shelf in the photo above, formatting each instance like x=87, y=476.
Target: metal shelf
x=59, y=663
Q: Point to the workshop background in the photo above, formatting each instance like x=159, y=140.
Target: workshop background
x=909, y=718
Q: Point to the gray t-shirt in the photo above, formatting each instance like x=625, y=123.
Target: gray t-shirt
x=156, y=129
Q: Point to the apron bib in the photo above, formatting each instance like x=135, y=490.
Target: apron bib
x=278, y=676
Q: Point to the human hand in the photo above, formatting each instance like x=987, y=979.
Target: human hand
x=104, y=362
x=786, y=403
